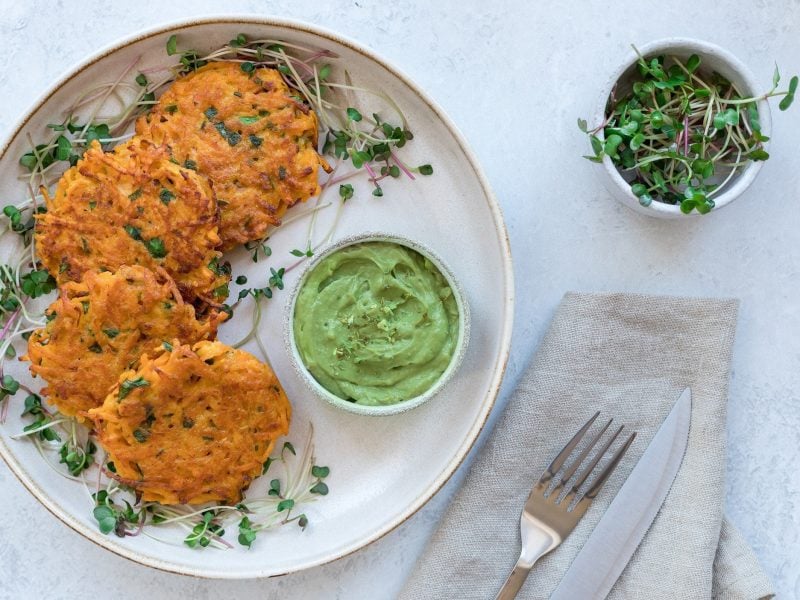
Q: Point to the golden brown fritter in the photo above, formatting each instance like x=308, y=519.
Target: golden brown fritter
x=133, y=206
x=249, y=135
x=97, y=328
x=194, y=424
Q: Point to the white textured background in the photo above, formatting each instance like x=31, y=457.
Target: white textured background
x=514, y=76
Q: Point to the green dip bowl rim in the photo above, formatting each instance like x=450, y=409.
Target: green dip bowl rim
x=405, y=405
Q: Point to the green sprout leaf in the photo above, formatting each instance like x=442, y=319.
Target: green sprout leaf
x=37, y=283
x=106, y=519
x=320, y=472
x=345, y=192
x=612, y=143
x=319, y=488
x=353, y=114
x=247, y=535
x=788, y=99
x=172, y=45
x=63, y=148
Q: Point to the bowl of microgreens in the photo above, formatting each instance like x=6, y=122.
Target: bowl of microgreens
x=682, y=128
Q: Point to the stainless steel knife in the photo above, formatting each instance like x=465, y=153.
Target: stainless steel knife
x=620, y=530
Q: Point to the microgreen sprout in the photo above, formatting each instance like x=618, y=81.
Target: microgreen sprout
x=298, y=483
x=681, y=133
x=369, y=143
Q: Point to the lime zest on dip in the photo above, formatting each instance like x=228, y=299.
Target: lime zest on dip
x=376, y=323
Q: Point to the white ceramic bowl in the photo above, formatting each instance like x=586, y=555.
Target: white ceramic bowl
x=390, y=409
x=714, y=58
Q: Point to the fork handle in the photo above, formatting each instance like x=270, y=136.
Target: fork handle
x=515, y=580
x=535, y=544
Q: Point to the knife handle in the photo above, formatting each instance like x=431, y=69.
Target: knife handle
x=535, y=544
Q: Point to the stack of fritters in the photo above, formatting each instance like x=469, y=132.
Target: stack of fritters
x=134, y=238
x=100, y=326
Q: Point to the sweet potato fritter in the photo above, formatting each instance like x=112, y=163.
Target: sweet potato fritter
x=194, y=424
x=99, y=327
x=249, y=135
x=133, y=206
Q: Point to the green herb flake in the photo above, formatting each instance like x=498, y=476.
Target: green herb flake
x=166, y=196
x=127, y=386
x=134, y=232
x=156, y=248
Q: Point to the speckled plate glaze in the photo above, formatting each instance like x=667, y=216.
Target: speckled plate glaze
x=382, y=470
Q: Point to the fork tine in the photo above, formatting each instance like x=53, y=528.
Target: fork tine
x=582, y=456
x=609, y=468
x=559, y=460
x=596, y=459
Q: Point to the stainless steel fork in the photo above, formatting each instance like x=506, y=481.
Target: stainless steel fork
x=550, y=515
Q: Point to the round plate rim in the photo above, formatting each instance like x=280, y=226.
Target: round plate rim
x=505, y=341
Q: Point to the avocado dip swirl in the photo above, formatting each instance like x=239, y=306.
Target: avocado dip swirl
x=376, y=323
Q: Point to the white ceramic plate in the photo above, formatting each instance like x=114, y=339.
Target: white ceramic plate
x=382, y=469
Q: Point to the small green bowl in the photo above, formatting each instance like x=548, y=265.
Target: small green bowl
x=405, y=405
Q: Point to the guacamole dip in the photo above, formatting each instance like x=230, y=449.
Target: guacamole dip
x=376, y=323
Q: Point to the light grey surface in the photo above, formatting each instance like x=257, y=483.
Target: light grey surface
x=514, y=76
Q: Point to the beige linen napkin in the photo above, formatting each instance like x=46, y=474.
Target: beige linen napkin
x=629, y=356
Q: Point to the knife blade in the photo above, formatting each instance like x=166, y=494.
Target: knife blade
x=620, y=530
